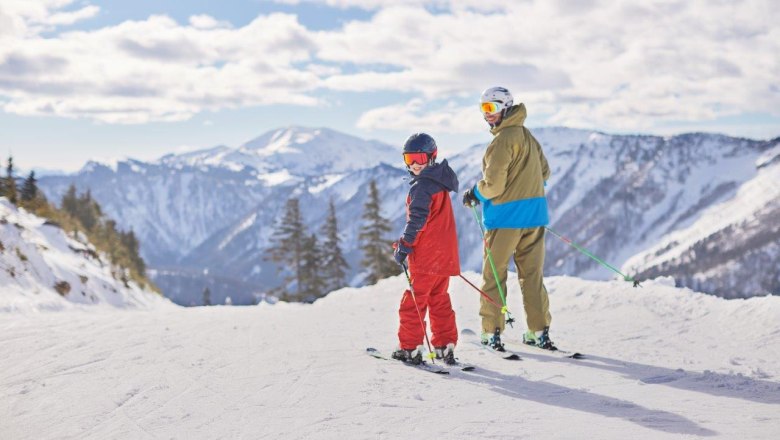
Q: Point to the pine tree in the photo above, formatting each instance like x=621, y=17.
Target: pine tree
x=377, y=251
x=30, y=188
x=9, y=186
x=206, y=296
x=333, y=263
x=287, y=245
x=311, y=277
x=88, y=211
x=133, y=247
x=69, y=202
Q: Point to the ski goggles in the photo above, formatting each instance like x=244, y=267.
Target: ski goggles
x=420, y=158
x=489, y=108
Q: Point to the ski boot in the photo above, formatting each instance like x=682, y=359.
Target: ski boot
x=413, y=357
x=493, y=341
x=540, y=339
x=447, y=354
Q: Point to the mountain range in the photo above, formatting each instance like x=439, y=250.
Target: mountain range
x=702, y=208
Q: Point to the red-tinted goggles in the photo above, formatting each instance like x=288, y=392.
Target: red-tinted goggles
x=420, y=158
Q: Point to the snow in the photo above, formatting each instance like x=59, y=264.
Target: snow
x=36, y=256
x=754, y=194
x=662, y=362
x=250, y=220
x=276, y=178
x=768, y=156
x=328, y=180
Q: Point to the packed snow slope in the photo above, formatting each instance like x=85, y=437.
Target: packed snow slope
x=662, y=362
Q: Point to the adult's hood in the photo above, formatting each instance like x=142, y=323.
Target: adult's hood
x=515, y=116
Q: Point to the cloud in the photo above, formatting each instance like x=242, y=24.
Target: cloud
x=25, y=17
x=616, y=65
x=158, y=70
x=476, y=5
x=207, y=22
x=419, y=115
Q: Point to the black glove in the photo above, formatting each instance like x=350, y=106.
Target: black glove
x=401, y=251
x=469, y=198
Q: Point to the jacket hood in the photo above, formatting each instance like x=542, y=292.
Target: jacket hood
x=515, y=116
x=440, y=173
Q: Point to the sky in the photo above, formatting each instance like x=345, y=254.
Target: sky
x=104, y=80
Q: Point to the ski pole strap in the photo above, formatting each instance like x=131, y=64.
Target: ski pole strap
x=593, y=257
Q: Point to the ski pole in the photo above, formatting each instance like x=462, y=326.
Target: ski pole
x=595, y=258
x=504, y=309
x=431, y=355
x=480, y=291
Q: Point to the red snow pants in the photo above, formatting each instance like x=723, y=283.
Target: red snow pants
x=433, y=298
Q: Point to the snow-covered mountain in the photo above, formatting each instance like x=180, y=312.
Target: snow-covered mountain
x=43, y=268
x=282, y=154
x=659, y=364
x=732, y=247
x=206, y=217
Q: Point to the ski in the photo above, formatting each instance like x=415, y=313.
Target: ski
x=431, y=368
x=442, y=368
x=557, y=352
x=506, y=354
x=460, y=366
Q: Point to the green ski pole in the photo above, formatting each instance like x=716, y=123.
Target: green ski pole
x=595, y=258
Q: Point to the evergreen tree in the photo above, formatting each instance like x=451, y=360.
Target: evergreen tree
x=206, y=296
x=30, y=188
x=311, y=277
x=133, y=247
x=9, y=185
x=377, y=251
x=287, y=247
x=333, y=263
x=88, y=211
x=70, y=201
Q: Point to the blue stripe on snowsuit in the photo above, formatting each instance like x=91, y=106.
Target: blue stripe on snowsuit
x=524, y=213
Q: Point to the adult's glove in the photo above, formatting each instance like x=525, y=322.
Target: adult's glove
x=469, y=198
x=401, y=252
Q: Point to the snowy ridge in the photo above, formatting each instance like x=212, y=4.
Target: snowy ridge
x=299, y=151
x=37, y=258
x=756, y=194
x=661, y=363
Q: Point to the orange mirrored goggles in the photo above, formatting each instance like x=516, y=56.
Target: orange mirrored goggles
x=490, y=107
x=420, y=158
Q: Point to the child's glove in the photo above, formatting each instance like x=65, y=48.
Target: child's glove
x=401, y=251
x=469, y=198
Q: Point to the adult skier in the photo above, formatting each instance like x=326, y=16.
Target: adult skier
x=514, y=206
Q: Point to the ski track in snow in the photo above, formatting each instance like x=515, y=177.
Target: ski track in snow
x=661, y=362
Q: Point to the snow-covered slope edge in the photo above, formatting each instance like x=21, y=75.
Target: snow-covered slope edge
x=42, y=268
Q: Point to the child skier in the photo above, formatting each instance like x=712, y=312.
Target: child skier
x=430, y=241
